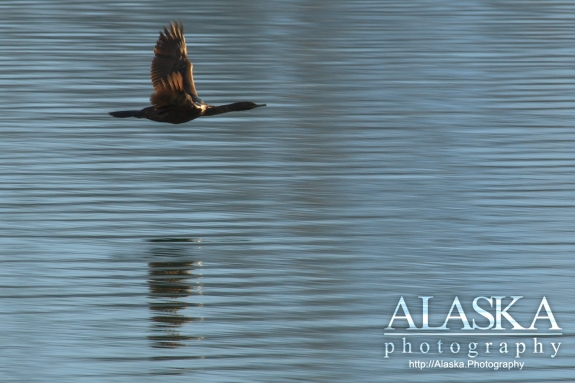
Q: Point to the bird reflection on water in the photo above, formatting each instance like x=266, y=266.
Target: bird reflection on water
x=173, y=281
x=175, y=99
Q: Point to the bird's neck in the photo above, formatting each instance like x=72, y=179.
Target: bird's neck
x=234, y=107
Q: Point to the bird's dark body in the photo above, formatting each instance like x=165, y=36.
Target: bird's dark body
x=151, y=113
x=175, y=99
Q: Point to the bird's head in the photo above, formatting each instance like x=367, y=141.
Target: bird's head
x=246, y=105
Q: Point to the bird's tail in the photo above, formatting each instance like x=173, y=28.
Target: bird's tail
x=127, y=113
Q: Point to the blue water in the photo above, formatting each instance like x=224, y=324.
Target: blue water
x=408, y=149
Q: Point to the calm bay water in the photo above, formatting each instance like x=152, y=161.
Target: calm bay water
x=408, y=149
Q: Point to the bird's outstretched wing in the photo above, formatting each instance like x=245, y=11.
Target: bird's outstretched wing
x=171, y=57
x=171, y=95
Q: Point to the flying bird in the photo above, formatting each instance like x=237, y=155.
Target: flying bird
x=175, y=99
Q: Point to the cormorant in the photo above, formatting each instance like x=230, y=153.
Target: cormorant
x=175, y=99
